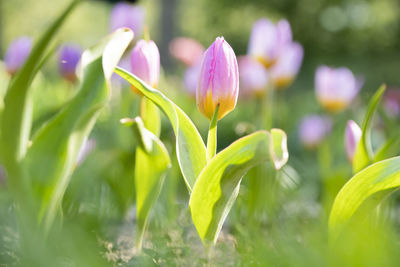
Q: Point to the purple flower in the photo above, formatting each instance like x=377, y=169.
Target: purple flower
x=253, y=77
x=391, y=102
x=313, y=129
x=218, y=80
x=125, y=15
x=69, y=56
x=191, y=77
x=17, y=52
x=352, y=138
x=186, y=50
x=145, y=62
x=287, y=66
x=336, y=88
x=268, y=40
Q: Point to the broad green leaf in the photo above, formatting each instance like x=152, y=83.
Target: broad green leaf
x=52, y=157
x=17, y=114
x=218, y=184
x=190, y=148
x=364, y=155
x=152, y=162
x=379, y=176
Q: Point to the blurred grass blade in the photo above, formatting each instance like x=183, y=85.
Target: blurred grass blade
x=364, y=155
x=379, y=176
x=152, y=162
x=54, y=151
x=218, y=184
x=17, y=114
x=390, y=149
x=190, y=148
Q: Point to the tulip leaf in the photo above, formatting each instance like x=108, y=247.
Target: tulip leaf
x=364, y=155
x=218, y=184
x=53, y=155
x=151, y=116
x=151, y=163
x=375, y=178
x=17, y=114
x=190, y=148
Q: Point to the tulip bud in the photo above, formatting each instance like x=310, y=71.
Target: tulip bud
x=267, y=40
x=126, y=15
x=145, y=62
x=253, y=77
x=352, y=138
x=69, y=56
x=218, y=80
x=336, y=88
x=17, y=53
x=313, y=129
x=186, y=50
x=287, y=66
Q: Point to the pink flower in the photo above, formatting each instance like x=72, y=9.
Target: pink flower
x=268, y=40
x=145, y=62
x=287, y=66
x=191, y=77
x=313, y=129
x=186, y=50
x=336, y=88
x=218, y=80
x=69, y=56
x=352, y=138
x=253, y=76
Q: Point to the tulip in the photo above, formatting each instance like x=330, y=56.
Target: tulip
x=336, y=88
x=268, y=40
x=218, y=80
x=186, y=50
x=391, y=102
x=17, y=53
x=313, y=129
x=145, y=62
x=352, y=138
x=126, y=15
x=287, y=66
x=191, y=77
x=69, y=56
x=253, y=76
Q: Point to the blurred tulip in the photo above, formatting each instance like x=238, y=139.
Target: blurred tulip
x=391, y=102
x=218, y=80
x=253, y=77
x=145, y=62
x=352, y=137
x=17, y=52
x=186, y=50
x=268, y=40
x=287, y=66
x=126, y=15
x=191, y=77
x=313, y=129
x=336, y=88
x=69, y=56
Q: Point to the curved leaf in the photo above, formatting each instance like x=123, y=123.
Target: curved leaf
x=218, y=184
x=54, y=151
x=380, y=176
x=190, y=148
x=364, y=154
x=152, y=162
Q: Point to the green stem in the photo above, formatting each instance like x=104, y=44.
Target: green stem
x=212, y=136
x=266, y=108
